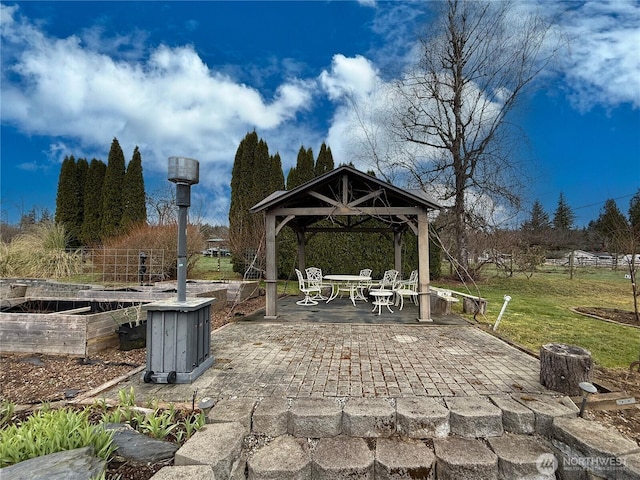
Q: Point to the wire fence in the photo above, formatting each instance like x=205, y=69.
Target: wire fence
x=119, y=265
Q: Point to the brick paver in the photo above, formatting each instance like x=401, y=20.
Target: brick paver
x=313, y=359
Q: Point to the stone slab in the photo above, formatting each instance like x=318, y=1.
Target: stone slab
x=474, y=417
x=368, y=417
x=591, y=445
x=133, y=445
x=523, y=457
x=630, y=468
x=187, y=472
x=516, y=418
x=282, y=459
x=233, y=410
x=218, y=445
x=422, y=417
x=271, y=416
x=76, y=464
x=342, y=458
x=545, y=408
x=403, y=459
x=464, y=458
x=315, y=418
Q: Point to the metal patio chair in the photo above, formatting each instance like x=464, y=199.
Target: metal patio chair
x=407, y=288
x=309, y=290
x=314, y=277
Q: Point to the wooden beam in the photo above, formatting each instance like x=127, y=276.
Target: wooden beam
x=410, y=223
x=360, y=200
x=345, y=189
x=283, y=223
x=345, y=211
x=326, y=199
x=351, y=229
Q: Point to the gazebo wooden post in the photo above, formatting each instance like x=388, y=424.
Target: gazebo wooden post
x=301, y=254
x=423, y=269
x=271, y=281
x=397, y=251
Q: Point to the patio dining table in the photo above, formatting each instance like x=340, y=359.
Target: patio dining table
x=347, y=282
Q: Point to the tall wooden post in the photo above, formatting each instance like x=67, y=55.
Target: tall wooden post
x=397, y=251
x=271, y=281
x=302, y=263
x=423, y=269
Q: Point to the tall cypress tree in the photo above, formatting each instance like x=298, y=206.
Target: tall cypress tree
x=68, y=197
x=92, y=222
x=134, y=205
x=240, y=221
x=304, y=169
x=324, y=163
x=112, y=191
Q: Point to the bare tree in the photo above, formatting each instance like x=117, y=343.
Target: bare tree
x=476, y=61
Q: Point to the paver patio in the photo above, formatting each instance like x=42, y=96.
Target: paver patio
x=294, y=357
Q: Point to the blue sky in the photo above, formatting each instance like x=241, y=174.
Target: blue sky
x=192, y=78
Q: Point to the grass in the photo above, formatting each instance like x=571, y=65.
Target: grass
x=214, y=268
x=540, y=312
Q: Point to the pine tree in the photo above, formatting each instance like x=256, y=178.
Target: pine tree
x=92, y=222
x=536, y=228
x=134, y=204
x=68, y=198
x=613, y=227
x=112, y=192
x=324, y=163
x=564, y=217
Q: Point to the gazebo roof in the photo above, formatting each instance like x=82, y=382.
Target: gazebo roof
x=345, y=191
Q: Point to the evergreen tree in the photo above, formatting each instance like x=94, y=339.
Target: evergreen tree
x=82, y=168
x=324, y=163
x=112, y=207
x=68, y=198
x=613, y=227
x=253, y=177
x=563, y=217
x=634, y=212
x=304, y=169
x=134, y=206
x=92, y=222
x=536, y=228
x=277, y=176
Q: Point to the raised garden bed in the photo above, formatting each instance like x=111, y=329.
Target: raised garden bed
x=64, y=327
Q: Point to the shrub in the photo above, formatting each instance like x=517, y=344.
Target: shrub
x=146, y=238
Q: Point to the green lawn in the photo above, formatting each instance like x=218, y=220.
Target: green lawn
x=539, y=311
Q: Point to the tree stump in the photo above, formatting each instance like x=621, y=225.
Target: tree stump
x=563, y=367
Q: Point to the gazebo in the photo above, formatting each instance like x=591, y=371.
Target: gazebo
x=342, y=192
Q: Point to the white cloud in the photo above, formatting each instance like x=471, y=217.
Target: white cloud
x=604, y=62
x=169, y=104
x=354, y=77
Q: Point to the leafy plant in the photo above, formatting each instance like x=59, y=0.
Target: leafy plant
x=127, y=398
x=49, y=431
x=159, y=425
x=6, y=412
